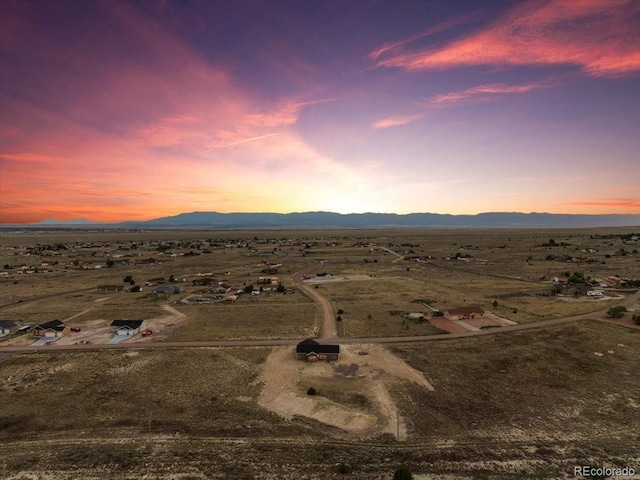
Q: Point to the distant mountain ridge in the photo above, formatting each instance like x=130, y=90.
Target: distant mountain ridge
x=374, y=220
x=216, y=220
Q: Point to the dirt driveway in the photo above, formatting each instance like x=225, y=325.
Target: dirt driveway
x=352, y=393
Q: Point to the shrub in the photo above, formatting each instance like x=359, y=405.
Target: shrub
x=311, y=391
x=616, y=312
x=636, y=318
x=403, y=473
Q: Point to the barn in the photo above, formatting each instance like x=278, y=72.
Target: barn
x=311, y=351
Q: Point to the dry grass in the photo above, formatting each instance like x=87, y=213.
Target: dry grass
x=249, y=317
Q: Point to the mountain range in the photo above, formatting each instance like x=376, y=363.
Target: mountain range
x=215, y=220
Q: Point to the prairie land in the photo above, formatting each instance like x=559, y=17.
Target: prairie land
x=511, y=404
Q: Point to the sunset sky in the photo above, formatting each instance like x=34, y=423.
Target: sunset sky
x=123, y=110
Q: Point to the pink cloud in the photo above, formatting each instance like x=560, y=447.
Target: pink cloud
x=602, y=37
x=483, y=92
x=397, y=121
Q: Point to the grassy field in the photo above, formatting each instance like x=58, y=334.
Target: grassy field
x=289, y=316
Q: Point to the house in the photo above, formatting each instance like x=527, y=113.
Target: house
x=126, y=327
x=312, y=351
x=7, y=327
x=166, y=290
x=267, y=280
x=110, y=288
x=54, y=328
x=464, y=313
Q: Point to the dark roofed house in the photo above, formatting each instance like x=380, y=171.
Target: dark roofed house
x=126, y=327
x=54, y=328
x=7, y=327
x=312, y=351
x=166, y=290
x=464, y=313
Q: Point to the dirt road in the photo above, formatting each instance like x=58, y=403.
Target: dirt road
x=328, y=333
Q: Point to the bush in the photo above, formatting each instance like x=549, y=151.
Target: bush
x=636, y=318
x=344, y=468
x=403, y=473
x=616, y=312
x=340, y=311
x=311, y=391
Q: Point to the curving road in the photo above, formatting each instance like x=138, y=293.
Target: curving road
x=329, y=331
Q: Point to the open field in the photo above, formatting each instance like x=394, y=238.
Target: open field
x=517, y=405
x=525, y=405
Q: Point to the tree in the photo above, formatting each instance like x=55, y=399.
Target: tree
x=127, y=279
x=616, y=312
x=495, y=304
x=248, y=289
x=311, y=391
x=403, y=473
x=280, y=288
x=338, y=318
x=636, y=318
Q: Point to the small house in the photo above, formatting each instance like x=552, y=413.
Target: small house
x=7, y=327
x=126, y=327
x=52, y=329
x=311, y=351
x=464, y=313
x=166, y=290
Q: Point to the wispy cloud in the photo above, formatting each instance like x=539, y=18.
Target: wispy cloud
x=397, y=121
x=483, y=92
x=393, y=46
x=633, y=203
x=240, y=142
x=602, y=37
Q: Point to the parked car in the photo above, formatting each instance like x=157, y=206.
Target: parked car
x=147, y=333
x=75, y=329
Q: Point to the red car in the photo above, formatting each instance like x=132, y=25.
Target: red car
x=146, y=333
x=75, y=329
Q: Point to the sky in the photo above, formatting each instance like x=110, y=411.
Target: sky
x=133, y=110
